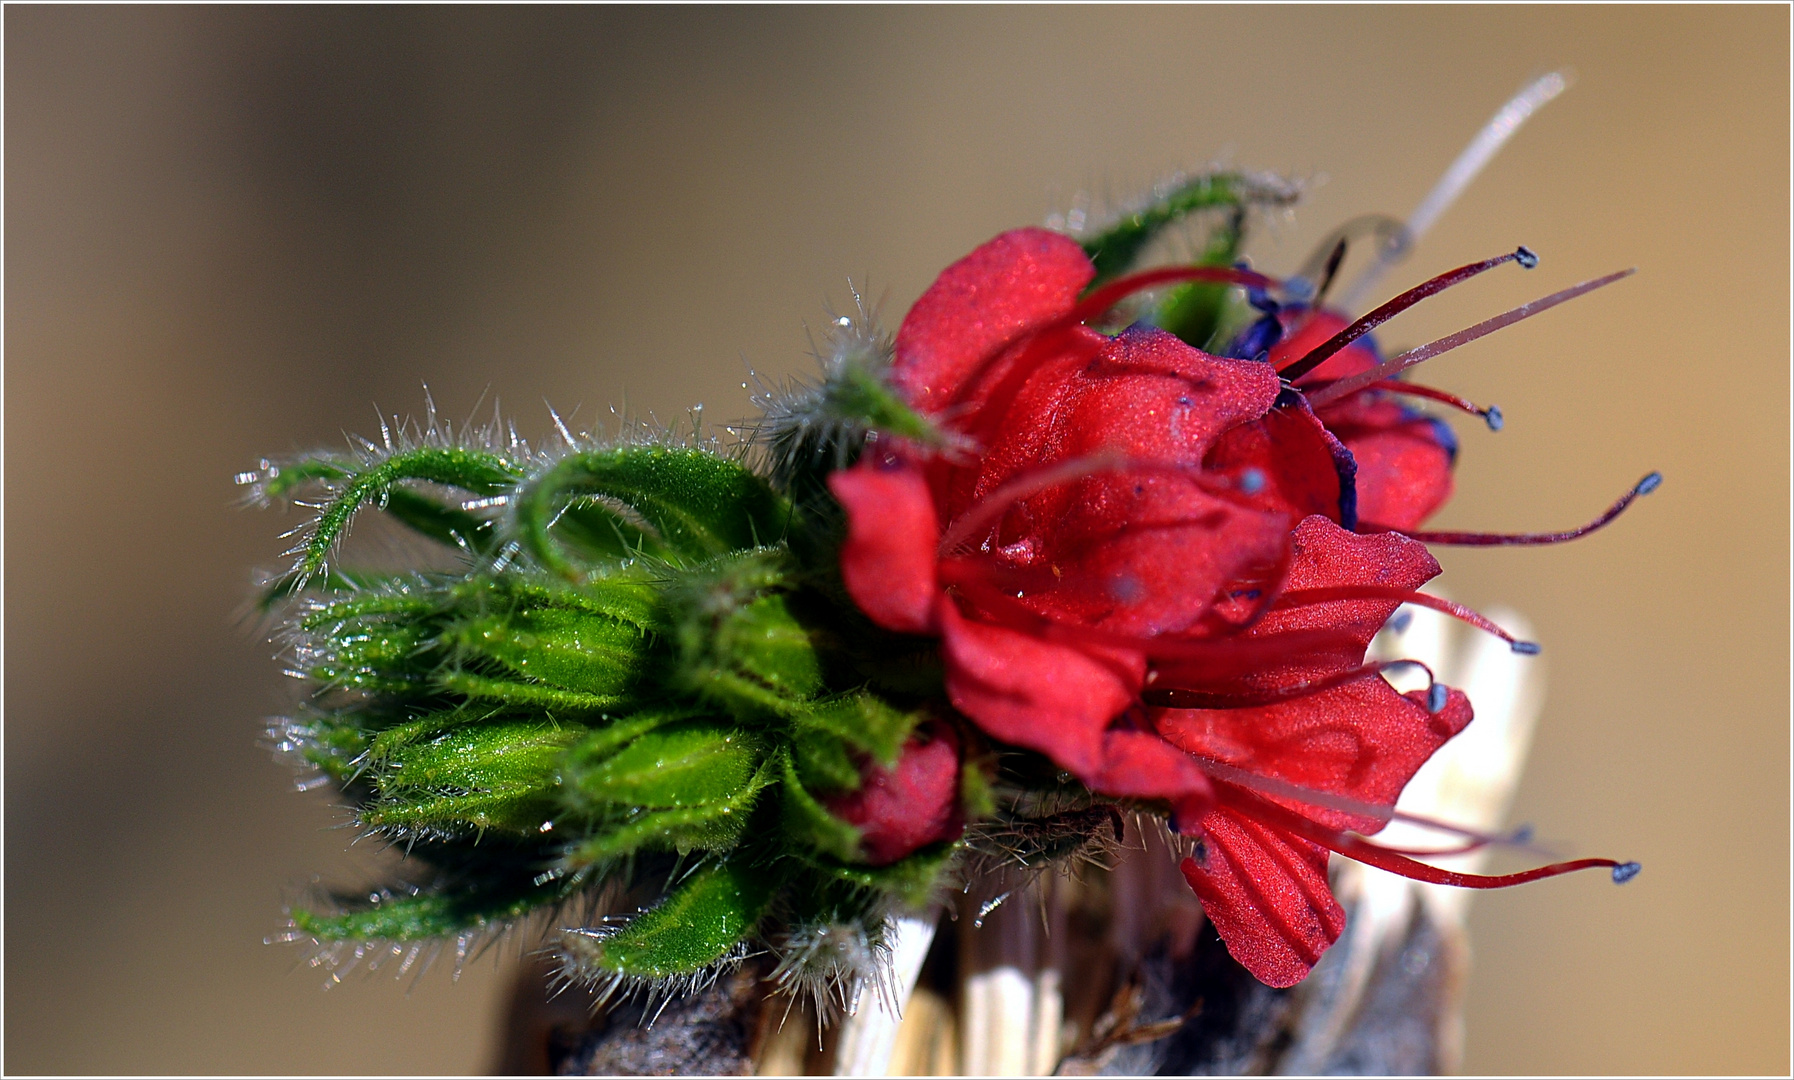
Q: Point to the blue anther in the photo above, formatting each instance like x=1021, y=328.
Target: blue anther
x=1252, y=481
x=1492, y=417
x=1525, y=257
x=1649, y=484
x=1521, y=835
x=1399, y=624
x=1527, y=648
x=1436, y=696
x=1625, y=872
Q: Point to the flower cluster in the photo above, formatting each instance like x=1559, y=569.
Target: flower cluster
x=977, y=587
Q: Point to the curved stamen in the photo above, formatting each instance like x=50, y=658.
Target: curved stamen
x=1355, y=847
x=1491, y=415
x=1321, y=353
x=1115, y=291
x=1354, y=383
x=1476, y=539
x=1306, y=597
x=1176, y=697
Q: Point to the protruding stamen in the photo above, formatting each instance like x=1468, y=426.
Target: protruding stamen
x=1625, y=872
x=1477, y=539
x=1378, y=316
x=1436, y=697
x=1307, y=597
x=1115, y=291
x=1354, y=383
x=1356, y=847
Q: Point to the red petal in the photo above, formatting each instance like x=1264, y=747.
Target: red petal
x=1137, y=764
x=1267, y=895
x=1045, y=696
x=1304, y=468
x=888, y=559
x=1012, y=284
x=909, y=806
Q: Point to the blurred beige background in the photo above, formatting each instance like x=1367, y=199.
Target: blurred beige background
x=231, y=231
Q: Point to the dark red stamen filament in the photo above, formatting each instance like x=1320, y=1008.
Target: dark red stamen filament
x=1173, y=697
x=1354, y=383
x=1306, y=597
x=1356, y=847
x=1378, y=316
x=1478, y=539
x=1114, y=292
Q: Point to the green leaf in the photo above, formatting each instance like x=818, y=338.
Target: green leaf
x=471, y=470
x=696, y=925
x=697, y=504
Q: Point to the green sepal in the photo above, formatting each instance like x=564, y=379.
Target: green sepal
x=910, y=881
x=684, y=765
x=1197, y=312
x=707, y=812
x=527, y=695
x=697, y=504
x=471, y=470
x=807, y=821
x=699, y=923
x=424, y=915
x=864, y=721
x=381, y=642
x=559, y=647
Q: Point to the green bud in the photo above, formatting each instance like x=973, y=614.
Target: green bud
x=379, y=642
x=683, y=765
x=501, y=775
x=740, y=647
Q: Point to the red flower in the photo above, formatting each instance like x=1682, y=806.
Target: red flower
x=1143, y=524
